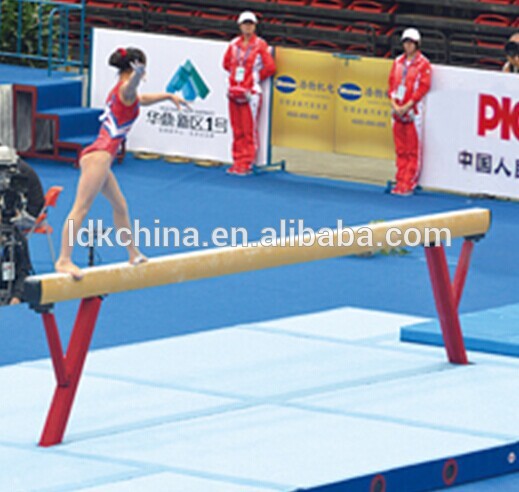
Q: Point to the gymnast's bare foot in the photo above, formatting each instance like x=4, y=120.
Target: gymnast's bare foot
x=66, y=266
x=136, y=258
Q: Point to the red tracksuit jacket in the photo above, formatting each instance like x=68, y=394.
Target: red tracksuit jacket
x=256, y=60
x=417, y=79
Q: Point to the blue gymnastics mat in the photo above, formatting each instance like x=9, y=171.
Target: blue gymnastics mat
x=329, y=401
x=495, y=331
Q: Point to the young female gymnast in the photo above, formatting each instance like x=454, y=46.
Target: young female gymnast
x=95, y=161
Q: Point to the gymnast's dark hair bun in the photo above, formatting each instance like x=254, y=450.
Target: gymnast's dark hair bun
x=122, y=58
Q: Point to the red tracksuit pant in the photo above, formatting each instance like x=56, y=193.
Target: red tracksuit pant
x=244, y=122
x=408, y=154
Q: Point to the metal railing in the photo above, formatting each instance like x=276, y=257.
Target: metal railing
x=51, y=24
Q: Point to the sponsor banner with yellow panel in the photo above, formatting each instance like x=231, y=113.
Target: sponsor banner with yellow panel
x=363, y=110
x=329, y=103
x=304, y=99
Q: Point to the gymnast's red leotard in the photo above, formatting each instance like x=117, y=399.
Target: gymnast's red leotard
x=117, y=121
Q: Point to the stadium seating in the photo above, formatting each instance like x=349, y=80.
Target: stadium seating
x=335, y=25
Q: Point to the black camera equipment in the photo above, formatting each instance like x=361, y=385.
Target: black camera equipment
x=13, y=200
x=512, y=49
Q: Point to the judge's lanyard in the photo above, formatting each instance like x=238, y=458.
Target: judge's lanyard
x=239, y=75
x=406, y=69
x=400, y=93
x=407, y=66
x=242, y=61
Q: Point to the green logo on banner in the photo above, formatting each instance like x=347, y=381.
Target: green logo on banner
x=188, y=80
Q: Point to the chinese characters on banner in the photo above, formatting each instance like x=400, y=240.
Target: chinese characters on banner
x=169, y=120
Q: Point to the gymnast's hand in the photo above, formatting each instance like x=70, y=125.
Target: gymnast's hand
x=139, y=69
x=179, y=102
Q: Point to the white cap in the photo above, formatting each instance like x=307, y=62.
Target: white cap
x=247, y=16
x=412, y=34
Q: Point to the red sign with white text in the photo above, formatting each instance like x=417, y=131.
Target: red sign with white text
x=500, y=114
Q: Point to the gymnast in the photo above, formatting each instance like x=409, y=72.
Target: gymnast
x=122, y=109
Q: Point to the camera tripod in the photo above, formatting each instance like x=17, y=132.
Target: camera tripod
x=9, y=241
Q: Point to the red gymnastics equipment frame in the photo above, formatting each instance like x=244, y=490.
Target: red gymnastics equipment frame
x=42, y=291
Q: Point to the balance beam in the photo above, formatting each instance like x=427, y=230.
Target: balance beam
x=43, y=290
x=217, y=262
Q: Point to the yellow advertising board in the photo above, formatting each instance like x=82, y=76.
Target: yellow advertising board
x=330, y=103
x=304, y=98
x=363, y=110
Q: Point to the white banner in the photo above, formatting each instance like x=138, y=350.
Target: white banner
x=471, y=134
x=190, y=67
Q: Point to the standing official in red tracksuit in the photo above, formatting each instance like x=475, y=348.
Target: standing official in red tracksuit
x=248, y=62
x=409, y=82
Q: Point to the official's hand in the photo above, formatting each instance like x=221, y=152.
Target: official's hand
x=179, y=102
x=406, y=107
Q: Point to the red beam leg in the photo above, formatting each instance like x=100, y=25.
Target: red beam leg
x=446, y=304
x=74, y=360
x=462, y=270
x=56, y=350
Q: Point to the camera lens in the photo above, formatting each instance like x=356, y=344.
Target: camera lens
x=512, y=49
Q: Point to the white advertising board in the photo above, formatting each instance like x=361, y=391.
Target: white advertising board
x=471, y=132
x=204, y=132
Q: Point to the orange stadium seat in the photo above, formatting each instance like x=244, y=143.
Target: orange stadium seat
x=490, y=63
x=361, y=27
x=327, y=45
x=492, y=20
x=370, y=6
x=136, y=5
x=97, y=21
x=294, y=42
x=329, y=4
x=500, y=2
x=178, y=9
x=213, y=34
x=288, y=21
x=174, y=29
x=357, y=48
x=101, y=4
x=326, y=25
x=293, y=2
x=215, y=14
